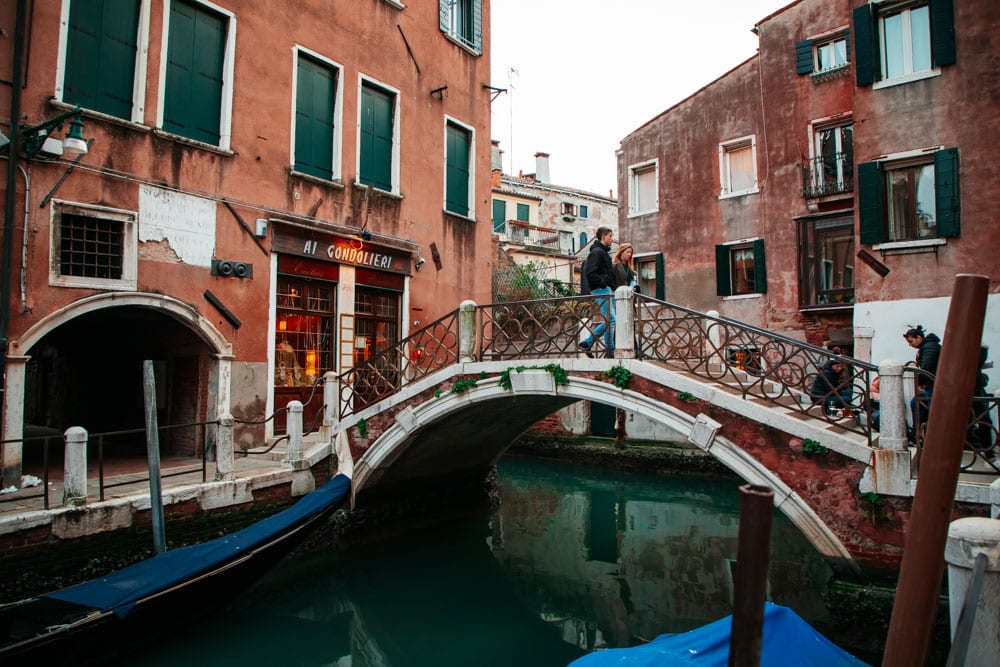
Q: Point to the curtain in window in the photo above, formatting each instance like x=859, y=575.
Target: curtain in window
x=740, y=169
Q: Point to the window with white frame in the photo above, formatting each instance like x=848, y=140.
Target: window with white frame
x=378, y=153
x=197, y=97
x=896, y=42
x=738, y=167
x=458, y=195
x=643, y=195
x=462, y=20
x=92, y=247
x=568, y=208
x=104, y=62
x=831, y=169
x=316, y=150
x=822, y=55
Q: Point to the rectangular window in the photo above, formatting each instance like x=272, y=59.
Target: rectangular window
x=315, y=127
x=198, y=76
x=93, y=247
x=458, y=169
x=462, y=21
x=831, y=170
x=649, y=271
x=102, y=56
x=909, y=199
x=499, y=216
x=523, y=212
x=831, y=55
x=826, y=262
x=377, y=153
x=642, y=185
x=898, y=42
x=584, y=211
x=568, y=209
x=738, y=167
x=740, y=268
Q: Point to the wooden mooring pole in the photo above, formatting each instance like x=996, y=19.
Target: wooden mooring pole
x=753, y=554
x=153, y=456
x=923, y=564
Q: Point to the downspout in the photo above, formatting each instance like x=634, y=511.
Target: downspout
x=24, y=240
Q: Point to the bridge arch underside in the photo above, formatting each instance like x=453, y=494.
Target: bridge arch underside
x=455, y=436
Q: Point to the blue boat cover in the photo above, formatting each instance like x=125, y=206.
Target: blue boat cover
x=120, y=590
x=787, y=640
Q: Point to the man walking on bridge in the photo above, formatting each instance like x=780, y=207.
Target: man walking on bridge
x=601, y=281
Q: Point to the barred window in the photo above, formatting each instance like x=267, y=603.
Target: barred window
x=91, y=247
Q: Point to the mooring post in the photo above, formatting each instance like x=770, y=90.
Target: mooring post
x=973, y=556
x=753, y=554
x=224, y=455
x=75, y=468
x=920, y=575
x=294, y=429
x=153, y=457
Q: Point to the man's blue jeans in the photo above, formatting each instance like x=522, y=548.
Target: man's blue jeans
x=608, y=310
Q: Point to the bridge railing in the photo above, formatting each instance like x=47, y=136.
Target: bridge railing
x=760, y=364
x=539, y=328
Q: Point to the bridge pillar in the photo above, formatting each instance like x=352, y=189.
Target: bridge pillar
x=891, y=460
x=467, y=331
x=624, y=323
x=968, y=539
x=75, y=474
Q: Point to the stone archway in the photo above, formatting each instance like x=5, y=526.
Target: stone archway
x=21, y=349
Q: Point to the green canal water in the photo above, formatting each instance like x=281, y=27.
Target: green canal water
x=575, y=559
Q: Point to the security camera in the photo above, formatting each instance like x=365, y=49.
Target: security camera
x=419, y=263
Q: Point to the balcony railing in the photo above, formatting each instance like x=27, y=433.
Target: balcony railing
x=532, y=235
x=828, y=175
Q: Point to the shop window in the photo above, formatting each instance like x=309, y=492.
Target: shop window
x=304, y=335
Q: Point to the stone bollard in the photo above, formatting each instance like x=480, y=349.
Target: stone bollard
x=294, y=429
x=967, y=538
x=330, y=401
x=467, y=332
x=892, y=406
x=624, y=323
x=75, y=468
x=224, y=457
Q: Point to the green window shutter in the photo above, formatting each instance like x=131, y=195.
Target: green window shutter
x=946, y=192
x=195, y=53
x=376, y=138
x=477, y=25
x=871, y=203
x=661, y=278
x=316, y=89
x=866, y=53
x=100, y=56
x=759, y=267
x=584, y=211
x=522, y=213
x=804, y=57
x=444, y=14
x=723, y=284
x=847, y=43
x=499, y=216
x=942, y=14
x=457, y=170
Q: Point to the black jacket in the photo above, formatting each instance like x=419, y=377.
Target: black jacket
x=599, y=270
x=928, y=354
x=827, y=382
x=622, y=275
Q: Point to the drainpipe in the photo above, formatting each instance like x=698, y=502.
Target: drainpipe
x=12, y=474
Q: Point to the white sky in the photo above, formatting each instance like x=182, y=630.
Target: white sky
x=589, y=72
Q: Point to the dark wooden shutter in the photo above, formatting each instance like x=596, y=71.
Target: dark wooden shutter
x=759, y=267
x=376, y=138
x=942, y=14
x=847, y=43
x=316, y=89
x=946, y=192
x=477, y=25
x=661, y=278
x=100, y=56
x=195, y=54
x=871, y=203
x=723, y=284
x=522, y=213
x=457, y=170
x=804, y=57
x=866, y=53
x=499, y=216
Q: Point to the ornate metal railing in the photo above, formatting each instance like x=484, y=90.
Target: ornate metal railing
x=432, y=348
x=540, y=328
x=759, y=364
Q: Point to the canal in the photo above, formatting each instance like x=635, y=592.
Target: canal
x=575, y=559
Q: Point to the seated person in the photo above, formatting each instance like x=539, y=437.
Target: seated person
x=830, y=387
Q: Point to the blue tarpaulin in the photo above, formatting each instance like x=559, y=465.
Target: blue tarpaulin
x=787, y=640
x=120, y=590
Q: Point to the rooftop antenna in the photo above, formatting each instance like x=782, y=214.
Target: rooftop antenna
x=512, y=74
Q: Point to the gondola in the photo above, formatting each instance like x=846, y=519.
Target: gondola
x=105, y=618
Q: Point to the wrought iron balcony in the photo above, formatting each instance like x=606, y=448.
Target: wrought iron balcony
x=828, y=175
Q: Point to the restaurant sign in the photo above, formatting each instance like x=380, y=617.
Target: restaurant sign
x=354, y=252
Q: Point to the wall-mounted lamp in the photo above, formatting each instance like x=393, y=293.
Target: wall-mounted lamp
x=419, y=263
x=366, y=235
x=35, y=137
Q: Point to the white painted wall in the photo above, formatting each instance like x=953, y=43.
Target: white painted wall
x=891, y=319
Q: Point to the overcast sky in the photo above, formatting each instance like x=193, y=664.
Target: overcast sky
x=589, y=72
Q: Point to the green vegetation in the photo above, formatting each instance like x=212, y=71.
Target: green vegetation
x=559, y=374
x=362, y=427
x=686, y=396
x=621, y=376
x=810, y=447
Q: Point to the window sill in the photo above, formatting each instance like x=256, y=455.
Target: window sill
x=463, y=44
x=335, y=183
x=194, y=143
x=125, y=285
x=98, y=115
x=906, y=78
x=459, y=216
x=832, y=73
x=636, y=214
x=741, y=297
x=378, y=192
x=831, y=308
x=741, y=193
x=904, y=245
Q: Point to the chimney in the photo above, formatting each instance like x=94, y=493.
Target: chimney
x=496, y=157
x=542, y=168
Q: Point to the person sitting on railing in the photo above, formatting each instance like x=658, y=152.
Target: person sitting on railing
x=600, y=278
x=928, y=348
x=830, y=387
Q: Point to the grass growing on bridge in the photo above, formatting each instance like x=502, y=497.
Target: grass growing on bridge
x=559, y=374
x=621, y=376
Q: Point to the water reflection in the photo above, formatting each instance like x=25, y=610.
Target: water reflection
x=575, y=559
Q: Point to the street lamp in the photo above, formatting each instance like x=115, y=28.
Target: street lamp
x=35, y=136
